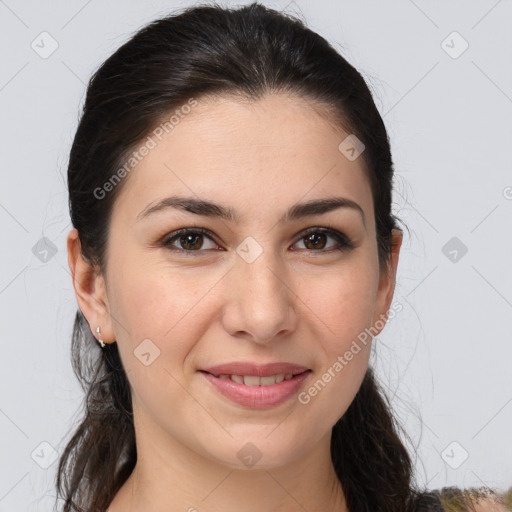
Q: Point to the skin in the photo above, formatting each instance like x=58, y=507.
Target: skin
x=490, y=505
x=295, y=303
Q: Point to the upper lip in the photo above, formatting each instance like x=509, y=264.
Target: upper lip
x=260, y=370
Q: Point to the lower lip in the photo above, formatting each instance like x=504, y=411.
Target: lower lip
x=257, y=397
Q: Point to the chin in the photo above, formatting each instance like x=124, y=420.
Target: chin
x=258, y=452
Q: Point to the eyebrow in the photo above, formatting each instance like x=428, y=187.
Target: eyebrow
x=210, y=209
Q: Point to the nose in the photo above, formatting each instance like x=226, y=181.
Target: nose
x=260, y=302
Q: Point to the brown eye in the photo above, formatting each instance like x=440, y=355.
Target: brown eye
x=315, y=240
x=188, y=240
x=192, y=241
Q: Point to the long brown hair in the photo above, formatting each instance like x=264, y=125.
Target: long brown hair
x=211, y=50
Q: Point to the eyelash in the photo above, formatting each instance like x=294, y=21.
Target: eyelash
x=344, y=242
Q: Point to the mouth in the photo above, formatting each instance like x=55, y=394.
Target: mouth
x=255, y=380
x=257, y=392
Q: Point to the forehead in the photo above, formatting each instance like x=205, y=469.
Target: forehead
x=256, y=155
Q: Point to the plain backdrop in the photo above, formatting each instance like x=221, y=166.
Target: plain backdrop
x=441, y=76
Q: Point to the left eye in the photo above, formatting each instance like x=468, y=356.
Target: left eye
x=315, y=236
x=191, y=240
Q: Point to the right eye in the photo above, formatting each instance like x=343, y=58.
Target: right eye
x=190, y=239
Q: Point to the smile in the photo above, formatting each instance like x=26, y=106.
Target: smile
x=257, y=392
x=254, y=380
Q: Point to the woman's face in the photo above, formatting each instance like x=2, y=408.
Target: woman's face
x=255, y=288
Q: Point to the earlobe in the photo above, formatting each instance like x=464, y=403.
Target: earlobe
x=90, y=291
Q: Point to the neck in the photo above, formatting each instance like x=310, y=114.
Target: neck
x=169, y=476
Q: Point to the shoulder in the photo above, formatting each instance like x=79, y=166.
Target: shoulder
x=490, y=505
x=482, y=499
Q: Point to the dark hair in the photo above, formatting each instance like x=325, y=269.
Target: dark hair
x=205, y=51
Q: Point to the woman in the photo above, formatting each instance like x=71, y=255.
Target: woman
x=233, y=254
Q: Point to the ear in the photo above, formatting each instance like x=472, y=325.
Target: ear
x=90, y=290
x=387, y=284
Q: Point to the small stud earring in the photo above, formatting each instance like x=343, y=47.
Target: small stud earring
x=100, y=341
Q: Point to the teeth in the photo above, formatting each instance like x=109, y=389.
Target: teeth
x=254, y=380
x=267, y=381
x=251, y=380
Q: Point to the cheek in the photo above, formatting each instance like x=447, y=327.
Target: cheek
x=343, y=301
x=152, y=302
x=158, y=327
x=161, y=312
x=344, y=305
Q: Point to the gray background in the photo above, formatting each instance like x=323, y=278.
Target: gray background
x=445, y=359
